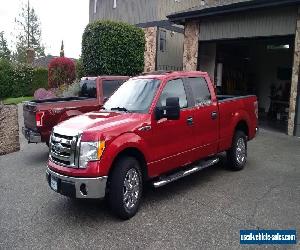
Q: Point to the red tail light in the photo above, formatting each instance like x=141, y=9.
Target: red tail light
x=39, y=119
x=256, y=109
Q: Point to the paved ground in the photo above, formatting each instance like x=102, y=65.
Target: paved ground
x=205, y=210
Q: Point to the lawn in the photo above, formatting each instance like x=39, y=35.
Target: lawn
x=17, y=100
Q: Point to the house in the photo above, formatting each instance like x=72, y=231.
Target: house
x=164, y=46
x=249, y=47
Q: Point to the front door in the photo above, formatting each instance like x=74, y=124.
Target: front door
x=170, y=140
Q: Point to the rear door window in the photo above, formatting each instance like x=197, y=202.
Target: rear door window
x=88, y=89
x=110, y=86
x=199, y=90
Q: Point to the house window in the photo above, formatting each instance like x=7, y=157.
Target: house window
x=162, y=40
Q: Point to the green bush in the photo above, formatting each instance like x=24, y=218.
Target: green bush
x=23, y=75
x=112, y=48
x=6, y=78
x=80, y=72
x=18, y=80
x=40, y=79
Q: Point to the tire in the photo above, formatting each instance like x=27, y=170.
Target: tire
x=237, y=154
x=125, y=187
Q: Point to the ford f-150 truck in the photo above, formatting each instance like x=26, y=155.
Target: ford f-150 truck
x=40, y=116
x=155, y=128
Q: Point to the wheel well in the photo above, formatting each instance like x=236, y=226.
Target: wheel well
x=137, y=154
x=242, y=126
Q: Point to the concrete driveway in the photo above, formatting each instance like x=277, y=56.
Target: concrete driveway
x=205, y=210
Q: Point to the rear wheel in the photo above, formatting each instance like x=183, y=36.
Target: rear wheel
x=237, y=155
x=125, y=187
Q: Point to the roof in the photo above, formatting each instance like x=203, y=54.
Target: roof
x=225, y=7
x=43, y=61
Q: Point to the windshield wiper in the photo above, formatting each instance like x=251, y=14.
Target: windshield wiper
x=120, y=109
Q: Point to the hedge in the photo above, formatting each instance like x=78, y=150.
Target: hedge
x=112, y=48
x=18, y=80
x=40, y=79
x=6, y=78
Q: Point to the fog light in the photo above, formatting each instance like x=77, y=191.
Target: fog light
x=83, y=189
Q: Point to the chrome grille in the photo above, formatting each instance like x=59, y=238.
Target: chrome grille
x=63, y=149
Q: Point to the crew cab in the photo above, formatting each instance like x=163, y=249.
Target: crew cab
x=155, y=128
x=40, y=116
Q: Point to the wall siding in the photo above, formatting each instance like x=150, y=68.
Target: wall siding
x=138, y=11
x=262, y=23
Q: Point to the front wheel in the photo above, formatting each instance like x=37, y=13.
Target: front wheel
x=125, y=187
x=237, y=154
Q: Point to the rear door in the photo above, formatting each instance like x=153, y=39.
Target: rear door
x=205, y=117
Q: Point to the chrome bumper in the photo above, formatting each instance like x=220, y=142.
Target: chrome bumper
x=76, y=187
x=31, y=136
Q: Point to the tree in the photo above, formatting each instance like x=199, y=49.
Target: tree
x=30, y=34
x=4, y=50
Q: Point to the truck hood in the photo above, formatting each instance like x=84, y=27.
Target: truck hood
x=93, y=124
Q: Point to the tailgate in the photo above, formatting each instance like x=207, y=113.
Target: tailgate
x=29, y=110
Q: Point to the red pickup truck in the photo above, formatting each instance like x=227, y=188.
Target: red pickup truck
x=155, y=128
x=40, y=116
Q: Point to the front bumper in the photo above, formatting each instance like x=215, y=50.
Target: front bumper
x=92, y=188
x=31, y=136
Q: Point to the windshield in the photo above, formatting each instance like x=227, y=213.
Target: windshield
x=135, y=95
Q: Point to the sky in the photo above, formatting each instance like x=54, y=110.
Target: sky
x=60, y=20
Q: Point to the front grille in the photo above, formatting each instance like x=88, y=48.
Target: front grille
x=63, y=150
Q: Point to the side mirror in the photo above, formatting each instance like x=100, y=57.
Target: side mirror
x=172, y=108
x=171, y=111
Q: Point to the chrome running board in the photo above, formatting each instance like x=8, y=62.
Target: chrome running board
x=163, y=180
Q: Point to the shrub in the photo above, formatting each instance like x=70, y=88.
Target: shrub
x=18, y=80
x=61, y=71
x=40, y=79
x=22, y=82
x=112, y=48
x=15, y=79
x=72, y=90
x=80, y=72
x=6, y=78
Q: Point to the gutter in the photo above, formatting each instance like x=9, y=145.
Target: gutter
x=180, y=17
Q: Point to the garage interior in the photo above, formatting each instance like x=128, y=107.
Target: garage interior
x=260, y=66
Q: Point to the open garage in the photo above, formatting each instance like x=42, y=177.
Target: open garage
x=249, y=47
x=260, y=66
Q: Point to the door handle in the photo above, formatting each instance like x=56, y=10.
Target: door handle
x=190, y=121
x=214, y=115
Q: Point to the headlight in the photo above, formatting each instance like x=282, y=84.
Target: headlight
x=90, y=151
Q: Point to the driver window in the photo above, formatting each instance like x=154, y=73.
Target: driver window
x=173, y=88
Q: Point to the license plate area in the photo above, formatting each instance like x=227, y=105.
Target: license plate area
x=54, y=183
